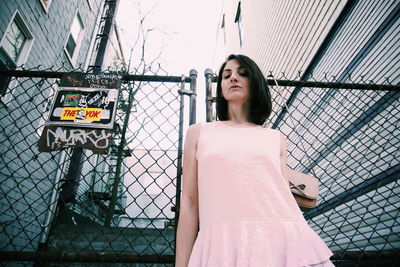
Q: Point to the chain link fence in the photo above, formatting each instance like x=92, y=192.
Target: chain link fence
x=346, y=132
x=122, y=209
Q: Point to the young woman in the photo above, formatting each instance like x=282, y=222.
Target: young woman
x=235, y=187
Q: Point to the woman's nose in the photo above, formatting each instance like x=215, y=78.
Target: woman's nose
x=234, y=76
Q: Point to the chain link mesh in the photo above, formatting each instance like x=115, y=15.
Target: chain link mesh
x=349, y=138
x=141, y=164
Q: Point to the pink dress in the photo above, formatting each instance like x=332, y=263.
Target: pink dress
x=248, y=216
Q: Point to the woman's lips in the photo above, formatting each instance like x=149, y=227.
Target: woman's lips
x=235, y=87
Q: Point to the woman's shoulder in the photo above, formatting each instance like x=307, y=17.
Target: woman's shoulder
x=271, y=130
x=196, y=129
x=199, y=125
x=275, y=132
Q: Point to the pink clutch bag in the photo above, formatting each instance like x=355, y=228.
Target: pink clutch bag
x=304, y=188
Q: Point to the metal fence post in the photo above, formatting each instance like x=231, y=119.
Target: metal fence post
x=53, y=200
x=120, y=158
x=192, y=120
x=74, y=171
x=208, y=76
x=176, y=208
x=193, y=96
x=112, y=7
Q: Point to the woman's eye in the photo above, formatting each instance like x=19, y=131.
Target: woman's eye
x=243, y=74
x=227, y=76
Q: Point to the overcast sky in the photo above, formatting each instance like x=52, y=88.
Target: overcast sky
x=183, y=30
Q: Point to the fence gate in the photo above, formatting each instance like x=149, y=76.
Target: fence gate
x=122, y=207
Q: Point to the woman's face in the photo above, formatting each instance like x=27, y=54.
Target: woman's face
x=235, y=83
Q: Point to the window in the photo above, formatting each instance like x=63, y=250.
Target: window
x=90, y=4
x=14, y=47
x=14, y=41
x=74, y=39
x=223, y=27
x=45, y=4
x=239, y=21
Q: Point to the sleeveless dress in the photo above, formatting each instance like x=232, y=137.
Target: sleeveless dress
x=248, y=216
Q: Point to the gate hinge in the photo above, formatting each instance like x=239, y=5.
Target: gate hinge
x=186, y=92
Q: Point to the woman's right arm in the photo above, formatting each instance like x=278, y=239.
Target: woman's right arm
x=189, y=206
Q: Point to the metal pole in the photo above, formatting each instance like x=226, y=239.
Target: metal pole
x=77, y=155
x=117, y=179
x=105, y=35
x=193, y=96
x=70, y=187
x=53, y=200
x=176, y=209
x=174, y=79
x=192, y=120
x=208, y=76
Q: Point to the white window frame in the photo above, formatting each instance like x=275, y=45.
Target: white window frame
x=44, y=5
x=223, y=27
x=23, y=56
x=90, y=4
x=239, y=21
x=28, y=42
x=46, y=110
x=74, y=57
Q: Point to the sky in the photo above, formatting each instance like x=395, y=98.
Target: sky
x=183, y=31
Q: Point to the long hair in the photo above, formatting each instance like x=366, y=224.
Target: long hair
x=260, y=103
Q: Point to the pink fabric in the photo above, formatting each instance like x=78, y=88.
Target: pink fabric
x=248, y=216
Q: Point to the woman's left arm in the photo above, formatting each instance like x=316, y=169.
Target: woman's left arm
x=283, y=156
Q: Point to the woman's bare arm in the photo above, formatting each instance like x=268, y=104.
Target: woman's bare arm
x=189, y=210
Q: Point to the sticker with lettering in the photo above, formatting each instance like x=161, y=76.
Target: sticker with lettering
x=71, y=100
x=82, y=114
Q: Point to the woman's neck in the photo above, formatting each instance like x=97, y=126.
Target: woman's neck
x=238, y=113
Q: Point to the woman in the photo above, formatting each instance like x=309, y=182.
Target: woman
x=235, y=186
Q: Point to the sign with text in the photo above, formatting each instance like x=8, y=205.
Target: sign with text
x=92, y=80
x=86, y=100
x=89, y=114
x=55, y=138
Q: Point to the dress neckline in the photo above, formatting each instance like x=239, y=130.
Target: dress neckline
x=235, y=125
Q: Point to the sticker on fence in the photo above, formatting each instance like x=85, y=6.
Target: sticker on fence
x=57, y=138
x=83, y=113
x=84, y=107
x=86, y=100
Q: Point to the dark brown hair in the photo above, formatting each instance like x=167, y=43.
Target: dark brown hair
x=260, y=97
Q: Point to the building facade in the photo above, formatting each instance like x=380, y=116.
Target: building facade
x=35, y=35
x=350, y=141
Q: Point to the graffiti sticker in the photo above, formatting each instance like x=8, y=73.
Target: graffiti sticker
x=71, y=100
x=86, y=100
x=86, y=114
x=57, y=138
x=82, y=113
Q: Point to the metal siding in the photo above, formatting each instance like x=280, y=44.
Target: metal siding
x=31, y=185
x=285, y=35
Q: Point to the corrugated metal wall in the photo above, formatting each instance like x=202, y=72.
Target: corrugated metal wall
x=331, y=40
x=27, y=180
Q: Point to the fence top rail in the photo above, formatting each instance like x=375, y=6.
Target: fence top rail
x=125, y=77
x=336, y=85
x=359, y=86
x=186, y=79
